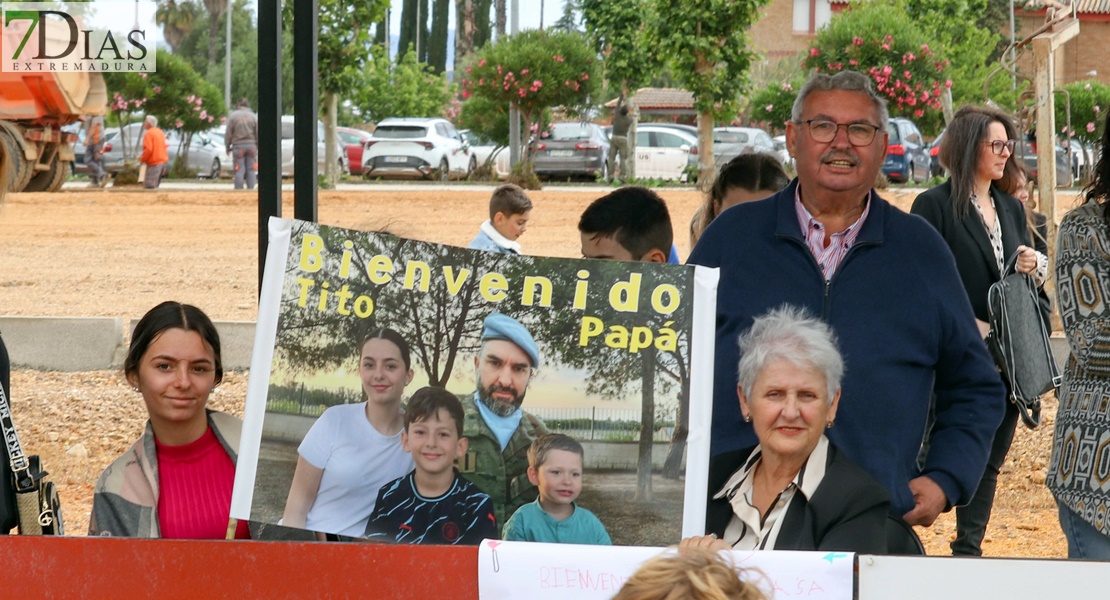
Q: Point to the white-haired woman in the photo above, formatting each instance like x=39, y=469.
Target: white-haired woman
x=794, y=490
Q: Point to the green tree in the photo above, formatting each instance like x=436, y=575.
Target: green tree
x=617, y=28
x=177, y=18
x=532, y=71
x=437, y=40
x=705, y=44
x=415, y=90
x=1090, y=101
x=244, y=52
x=881, y=40
x=214, y=8
x=343, y=48
x=414, y=28
x=769, y=107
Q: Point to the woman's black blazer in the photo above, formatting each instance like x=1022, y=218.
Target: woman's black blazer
x=847, y=513
x=967, y=238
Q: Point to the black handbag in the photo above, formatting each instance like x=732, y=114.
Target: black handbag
x=1018, y=340
x=38, y=508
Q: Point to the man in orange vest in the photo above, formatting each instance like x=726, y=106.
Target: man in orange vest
x=155, y=155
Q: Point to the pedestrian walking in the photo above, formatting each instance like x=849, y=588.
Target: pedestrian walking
x=242, y=143
x=94, y=151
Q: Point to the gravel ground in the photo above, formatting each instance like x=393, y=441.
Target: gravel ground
x=116, y=253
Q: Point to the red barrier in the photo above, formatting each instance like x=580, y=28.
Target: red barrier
x=43, y=567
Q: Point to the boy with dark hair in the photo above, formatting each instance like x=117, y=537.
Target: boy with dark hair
x=555, y=467
x=509, y=208
x=433, y=504
x=630, y=223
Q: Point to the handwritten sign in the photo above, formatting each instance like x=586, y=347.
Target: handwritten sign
x=553, y=571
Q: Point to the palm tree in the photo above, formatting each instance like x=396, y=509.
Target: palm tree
x=177, y=18
x=215, y=8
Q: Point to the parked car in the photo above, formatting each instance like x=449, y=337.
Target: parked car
x=207, y=155
x=287, y=122
x=730, y=142
x=572, y=149
x=412, y=147
x=115, y=139
x=936, y=169
x=907, y=158
x=483, y=149
x=353, y=141
x=1027, y=151
x=781, y=151
x=664, y=152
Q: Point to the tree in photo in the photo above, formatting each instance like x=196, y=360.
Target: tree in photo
x=489, y=120
x=769, y=107
x=704, y=42
x=532, y=71
x=182, y=100
x=1090, y=101
x=177, y=18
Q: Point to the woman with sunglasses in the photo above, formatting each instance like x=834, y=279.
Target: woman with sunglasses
x=984, y=227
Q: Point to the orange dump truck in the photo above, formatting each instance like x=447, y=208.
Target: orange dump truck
x=34, y=106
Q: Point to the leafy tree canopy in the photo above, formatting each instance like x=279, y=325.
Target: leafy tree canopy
x=1089, y=102
x=406, y=88
x=617, y=30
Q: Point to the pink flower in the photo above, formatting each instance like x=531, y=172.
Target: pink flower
x=924, y=47
x=885, y=46
x=907, y=75
x=948, y=83
x=1098, y=109
x=1064, y=130
x=919, y=113
x=143, y=75
x=858, y=41
x=924, y=96
x=887, y=70
x=482, y=63
x=1090, y=127
x=521, y=92
x=557, y=58
x=466, y=94
x=787, y=87
x=769, y=107
x=179, y=124
x=908, y=57
x=585, y=76
x=853, y=62
x=210, y=118
x=204, y=114
x=1086, y=86
x=524, y=71
x=191, y=98
x=468, y=70
x=157, y=89
x=813, y=52
x=481, y=81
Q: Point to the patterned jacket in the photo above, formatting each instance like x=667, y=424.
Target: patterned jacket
x=1076, y=475
x=125, y=500
x=501, y=474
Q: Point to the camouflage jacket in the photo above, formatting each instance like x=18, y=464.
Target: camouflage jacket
x=501, y=474
x=125, y=500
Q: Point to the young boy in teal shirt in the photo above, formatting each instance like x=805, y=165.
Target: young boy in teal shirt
x=555, y=467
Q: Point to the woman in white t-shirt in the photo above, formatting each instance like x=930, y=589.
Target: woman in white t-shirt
x=354, y=449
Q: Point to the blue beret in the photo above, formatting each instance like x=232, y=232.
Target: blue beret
x=502, y=327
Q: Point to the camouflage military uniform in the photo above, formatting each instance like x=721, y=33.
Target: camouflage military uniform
x=501, y=474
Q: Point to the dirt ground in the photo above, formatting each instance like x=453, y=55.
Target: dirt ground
x=116, y=253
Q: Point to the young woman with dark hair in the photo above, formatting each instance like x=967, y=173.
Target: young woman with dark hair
x=354, y=449
x=984, y=227
x=176, y=480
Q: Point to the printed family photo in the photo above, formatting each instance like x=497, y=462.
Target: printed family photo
x=421, y=393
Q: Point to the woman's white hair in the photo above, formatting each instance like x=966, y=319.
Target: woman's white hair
x=789, y=333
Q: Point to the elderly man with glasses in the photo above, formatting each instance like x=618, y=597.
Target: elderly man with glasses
x=887, y=284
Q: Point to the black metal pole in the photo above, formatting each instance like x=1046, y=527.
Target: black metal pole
x=306, y=108
x=269, y=124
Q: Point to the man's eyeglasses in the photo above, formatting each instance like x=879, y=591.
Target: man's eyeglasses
x=998, y=145
x=859, y=134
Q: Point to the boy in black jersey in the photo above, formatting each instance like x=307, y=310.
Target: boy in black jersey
x=433, y=504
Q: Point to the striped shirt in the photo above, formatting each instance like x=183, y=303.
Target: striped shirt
x=829, y=256
x=747, y=529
